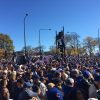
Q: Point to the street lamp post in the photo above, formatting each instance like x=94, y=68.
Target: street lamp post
x=40, y=51
x=25, y=34
x=56, y=41
x=98, y=40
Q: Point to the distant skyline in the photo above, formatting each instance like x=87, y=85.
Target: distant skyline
x=80, y=16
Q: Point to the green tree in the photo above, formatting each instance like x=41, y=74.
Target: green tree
x=6, y=46
x=6, y=43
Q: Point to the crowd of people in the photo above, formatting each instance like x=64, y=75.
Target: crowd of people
x=51, y=78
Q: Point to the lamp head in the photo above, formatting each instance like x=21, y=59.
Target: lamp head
x=49, y=29
x=26, y=14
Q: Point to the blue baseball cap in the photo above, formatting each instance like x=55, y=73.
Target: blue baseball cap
x=86, y=74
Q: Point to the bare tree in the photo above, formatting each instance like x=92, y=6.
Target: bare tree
x=89, y=44
x=72, y=41
x=67, y=38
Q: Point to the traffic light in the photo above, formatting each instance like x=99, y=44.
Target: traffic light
x=61, y=49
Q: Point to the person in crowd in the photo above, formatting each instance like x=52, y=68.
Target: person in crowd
x=67, y=88
x=58, y=78
x=54, y=93
x=94, y=89
x=4, y=92
x=43, y=87
x=27, y=93
x=17, y=88
x=4, y=95
x=83, y=84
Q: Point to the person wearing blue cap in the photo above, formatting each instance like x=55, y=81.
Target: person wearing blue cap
x=83, y=83
x=55, y=92
x=27, y=93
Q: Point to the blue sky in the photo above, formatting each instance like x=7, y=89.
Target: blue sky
x=81, y=16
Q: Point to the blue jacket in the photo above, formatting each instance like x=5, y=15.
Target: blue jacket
x=54, y=94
